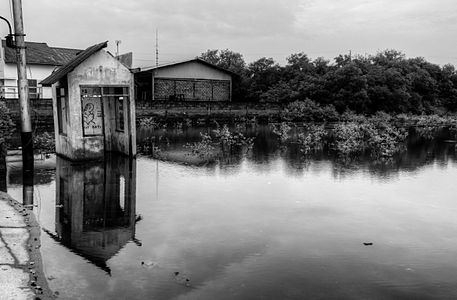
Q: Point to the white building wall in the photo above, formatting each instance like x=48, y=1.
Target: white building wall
x=37, y=72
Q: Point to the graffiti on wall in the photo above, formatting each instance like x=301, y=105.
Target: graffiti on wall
x=92, y=115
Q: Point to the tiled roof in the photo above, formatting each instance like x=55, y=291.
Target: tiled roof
x=66, y=54
x=41, y=54
x=72, y=64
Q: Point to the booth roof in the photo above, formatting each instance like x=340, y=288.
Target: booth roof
x=72, y=64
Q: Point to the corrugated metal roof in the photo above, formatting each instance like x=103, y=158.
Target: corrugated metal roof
x=199, y=60
x=72, y=64
x=41, y=54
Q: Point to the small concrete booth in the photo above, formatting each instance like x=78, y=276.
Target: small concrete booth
x=94, y=107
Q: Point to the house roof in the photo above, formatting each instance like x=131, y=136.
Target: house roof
x=199, y=60
x=41, y=54
x=72, y=64
x=66, y=54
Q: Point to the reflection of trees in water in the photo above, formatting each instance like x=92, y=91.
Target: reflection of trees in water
x=421, y=151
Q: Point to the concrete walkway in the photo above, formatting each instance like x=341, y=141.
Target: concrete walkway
x=21, y=275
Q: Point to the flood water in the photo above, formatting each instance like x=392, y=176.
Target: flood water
x=262, y=224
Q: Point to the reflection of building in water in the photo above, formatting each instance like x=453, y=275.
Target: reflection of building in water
x=95, y=214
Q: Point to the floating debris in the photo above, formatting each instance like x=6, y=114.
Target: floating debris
x=182, y=279
x=148, y=264
x=368, y=244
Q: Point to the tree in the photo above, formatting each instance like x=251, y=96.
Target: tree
x=231, y=61
x=262, y=75
x=298, y=65
x=227, y=59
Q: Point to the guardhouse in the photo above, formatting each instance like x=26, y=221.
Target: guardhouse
x=93, y=106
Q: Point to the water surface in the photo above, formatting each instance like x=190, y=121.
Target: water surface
x=263, y=224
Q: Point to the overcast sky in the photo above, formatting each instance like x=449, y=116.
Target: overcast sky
x=255, y=28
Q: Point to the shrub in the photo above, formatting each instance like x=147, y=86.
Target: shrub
x=44, y=143
x=282, y=131
x=348, y=138
x=6, y=127
x=379, y=138
x=309, y=111
x=229, y=139
x=384, y=140
x=312, y=139
x=149, y=122
x=203, y=148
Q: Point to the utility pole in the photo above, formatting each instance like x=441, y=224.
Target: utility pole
x=23, y=90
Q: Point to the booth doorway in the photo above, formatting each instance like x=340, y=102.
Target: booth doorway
x=106, y=112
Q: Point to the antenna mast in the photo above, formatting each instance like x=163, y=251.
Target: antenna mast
x=117, y=47
x=157, y=47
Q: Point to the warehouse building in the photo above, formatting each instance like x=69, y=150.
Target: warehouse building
x=191, y=80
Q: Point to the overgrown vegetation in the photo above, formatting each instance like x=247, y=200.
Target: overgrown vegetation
x=204, y=148
x=380, y=136
x=230, y=141
x=376, y=136
x=312, y=139
x=220, y=143
x=379, y=139
x=282, y=130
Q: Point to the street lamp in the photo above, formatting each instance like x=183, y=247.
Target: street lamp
x=9, y=38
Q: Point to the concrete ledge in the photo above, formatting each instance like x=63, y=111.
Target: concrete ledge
x=21, y=269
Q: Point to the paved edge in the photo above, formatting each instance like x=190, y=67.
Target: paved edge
x=33, y=245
